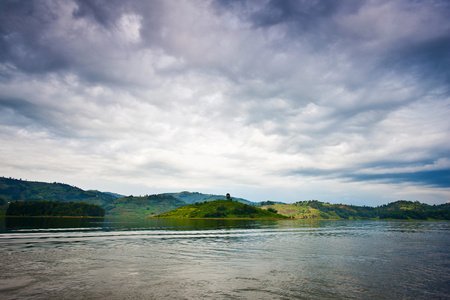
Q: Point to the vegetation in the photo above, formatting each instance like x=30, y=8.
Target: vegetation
x=22, y=190
x=401, y=210
x=3, y=206
x=142, y=206
x=12, y=190
x=54, y=208
x=221, y=209
x=114, y=204
x=408, y=210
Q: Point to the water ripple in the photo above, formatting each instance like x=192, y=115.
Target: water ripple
x=231, y=260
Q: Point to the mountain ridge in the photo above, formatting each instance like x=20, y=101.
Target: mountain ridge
x=398, y=210
x=151, y=205
x=195, y=197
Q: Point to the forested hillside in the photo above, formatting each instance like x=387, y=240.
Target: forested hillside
x=12, y=190
x=54, y=208
x=402, y=210
x=22, y=190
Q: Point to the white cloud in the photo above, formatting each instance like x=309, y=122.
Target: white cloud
x=167, y=96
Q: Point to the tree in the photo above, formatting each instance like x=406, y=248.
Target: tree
x=54, y=208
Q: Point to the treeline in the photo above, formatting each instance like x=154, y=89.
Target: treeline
x=54, y=208
x=342, y=211
x=414, y=210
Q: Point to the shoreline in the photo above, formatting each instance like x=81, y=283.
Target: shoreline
x=307, y=219
x=218, y=219
x=55, y=217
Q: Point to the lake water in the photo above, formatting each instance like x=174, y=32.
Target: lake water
x=50, y=258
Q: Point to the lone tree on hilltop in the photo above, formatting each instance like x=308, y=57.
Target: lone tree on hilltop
x=229, y=197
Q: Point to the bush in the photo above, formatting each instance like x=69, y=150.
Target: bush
x=272, y=210
x=216, y=214
x=245, y=210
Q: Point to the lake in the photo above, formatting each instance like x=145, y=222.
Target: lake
x=53, y=258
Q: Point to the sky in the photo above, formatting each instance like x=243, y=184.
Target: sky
x=338, y=101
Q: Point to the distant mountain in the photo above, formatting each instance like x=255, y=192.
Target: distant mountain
x=110, y=194
x=114, y=204
x=221, y=209
x=268, y=202
x=22, y=190
x=142, y=206
x=402, y=210
x=195, y=197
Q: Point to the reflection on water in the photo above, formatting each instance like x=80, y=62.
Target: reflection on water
x=222, y=259
x=19, y=223
x=16, y=223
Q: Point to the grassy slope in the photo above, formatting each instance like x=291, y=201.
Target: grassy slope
x=221, y=209
x=319, y=210
x=295, y=211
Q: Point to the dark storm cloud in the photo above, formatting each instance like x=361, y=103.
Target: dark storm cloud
x=381, y=171
x=107, y=13
x=302, y=15
x=320, y=22
x=27, y=44
x=18, y=112
x=437, y=178
x=376, y=42
x=36, y=118
x=23, y=25
x=428, y=60
x=33, y=39
x=104, y=12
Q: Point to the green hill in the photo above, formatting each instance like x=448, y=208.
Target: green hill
x=401, y=210
x=114, y=204
x=142, y=206
x=22, y=190
x=414, y=211
x=194, y=197
x=221, y=209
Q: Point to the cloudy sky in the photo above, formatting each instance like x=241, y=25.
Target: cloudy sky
x=340, y=101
